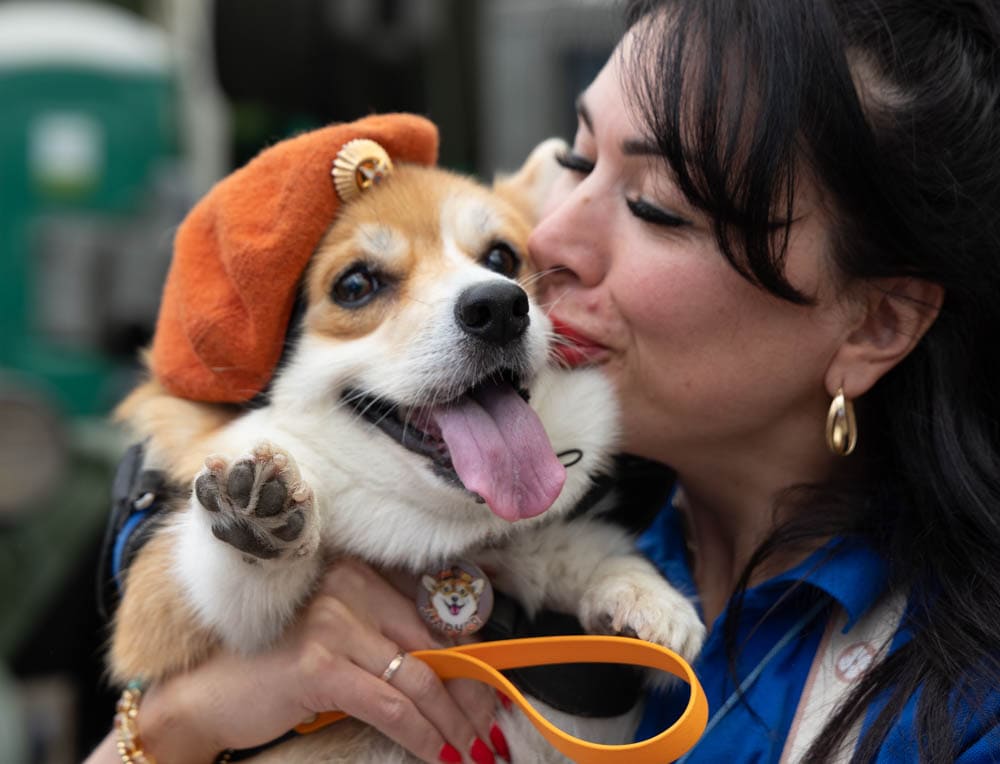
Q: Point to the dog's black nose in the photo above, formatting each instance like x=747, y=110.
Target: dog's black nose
x=494, y=311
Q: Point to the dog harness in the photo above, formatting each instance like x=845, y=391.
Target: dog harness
x=138, y=497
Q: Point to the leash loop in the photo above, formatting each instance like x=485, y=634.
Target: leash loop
x=484, y=661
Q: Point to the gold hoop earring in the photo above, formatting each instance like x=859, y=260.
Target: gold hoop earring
x=841, y=425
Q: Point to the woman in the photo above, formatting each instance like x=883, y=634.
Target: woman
x=769, y=206
x=813, y=190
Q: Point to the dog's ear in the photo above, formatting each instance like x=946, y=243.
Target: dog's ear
x=478, y=585
x=528, y=188
x=429, y=582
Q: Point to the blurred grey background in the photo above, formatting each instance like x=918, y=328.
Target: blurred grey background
x=114, y=118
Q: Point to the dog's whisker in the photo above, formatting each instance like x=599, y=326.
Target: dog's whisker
x=374, y=402
x=532, y=278
x=560, y=339
x=548, y=306
x=411, y=298
x=352, y=397
x=359, y=413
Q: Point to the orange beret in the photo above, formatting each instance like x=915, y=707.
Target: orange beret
x=239, y=255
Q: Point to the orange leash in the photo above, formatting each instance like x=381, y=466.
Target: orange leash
x=484, y=661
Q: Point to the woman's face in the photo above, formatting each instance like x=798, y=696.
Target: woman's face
x=707, y=365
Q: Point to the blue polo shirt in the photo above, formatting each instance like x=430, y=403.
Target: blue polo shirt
x=848, y=574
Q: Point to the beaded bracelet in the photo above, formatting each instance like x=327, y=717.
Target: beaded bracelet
x=127, y=726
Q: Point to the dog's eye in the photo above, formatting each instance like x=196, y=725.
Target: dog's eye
x=500, y=258
x=356, y=287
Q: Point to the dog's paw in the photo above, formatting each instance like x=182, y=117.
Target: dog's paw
x=630, y=598
x=259, y=504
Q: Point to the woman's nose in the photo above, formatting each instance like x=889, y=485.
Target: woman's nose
x=567, y=240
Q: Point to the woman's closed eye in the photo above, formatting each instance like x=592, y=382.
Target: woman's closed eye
x=652, y=214
x=639, y=207
x=574, y=162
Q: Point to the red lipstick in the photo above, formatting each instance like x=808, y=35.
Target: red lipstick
x=572, y=347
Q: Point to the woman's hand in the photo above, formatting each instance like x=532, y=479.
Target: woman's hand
x=353, y=629
x=333, y=657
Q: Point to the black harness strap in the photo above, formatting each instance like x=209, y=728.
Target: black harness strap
x=592, y=690
x=138, y=497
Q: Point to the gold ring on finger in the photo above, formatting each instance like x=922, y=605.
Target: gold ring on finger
x=393, y=667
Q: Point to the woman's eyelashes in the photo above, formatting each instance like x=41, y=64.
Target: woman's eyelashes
x=639, y=207
x=655, y=215
x=574, y=162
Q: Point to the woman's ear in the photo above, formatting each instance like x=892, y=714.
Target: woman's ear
x=528, y=188
x=897, y=312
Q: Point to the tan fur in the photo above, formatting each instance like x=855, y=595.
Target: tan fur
x=338, y=252
x=176, y=427
x=156, y=633
x=528, y=189
x=422, y=264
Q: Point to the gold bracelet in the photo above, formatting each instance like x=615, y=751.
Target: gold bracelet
x=127, y=726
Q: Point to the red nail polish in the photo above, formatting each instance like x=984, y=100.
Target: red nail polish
x=506, y=702
x=481, y=754
x=499, y=743
x=449, y=754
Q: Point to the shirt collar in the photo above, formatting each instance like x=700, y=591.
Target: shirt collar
x=847, y=570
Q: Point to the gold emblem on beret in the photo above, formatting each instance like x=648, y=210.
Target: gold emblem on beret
x=359, y=165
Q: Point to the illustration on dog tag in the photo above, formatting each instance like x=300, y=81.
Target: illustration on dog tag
x=455, y=599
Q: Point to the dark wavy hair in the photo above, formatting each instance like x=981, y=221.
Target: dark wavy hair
x=893, y=107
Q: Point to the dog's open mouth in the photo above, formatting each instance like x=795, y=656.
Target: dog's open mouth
x=488, y=439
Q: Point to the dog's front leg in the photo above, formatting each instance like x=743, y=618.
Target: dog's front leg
x=590, y=568
x=248, y=545
x=626, y=595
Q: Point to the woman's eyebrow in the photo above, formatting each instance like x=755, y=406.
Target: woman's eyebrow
x=630, y=146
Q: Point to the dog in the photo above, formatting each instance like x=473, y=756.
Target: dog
x=416, y=418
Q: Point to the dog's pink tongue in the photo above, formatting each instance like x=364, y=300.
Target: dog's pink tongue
x=500, y=451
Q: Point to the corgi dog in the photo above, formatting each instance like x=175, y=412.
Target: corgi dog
x=415, y=419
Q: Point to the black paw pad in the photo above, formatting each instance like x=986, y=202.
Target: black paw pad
x=240, y=484
x=206, y=488
x=271, y=499
x=240, y=534
x=291, y=529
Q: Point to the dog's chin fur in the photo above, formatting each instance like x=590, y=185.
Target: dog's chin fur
x=351, y=489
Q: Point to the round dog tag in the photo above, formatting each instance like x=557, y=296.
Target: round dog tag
x=455, y=598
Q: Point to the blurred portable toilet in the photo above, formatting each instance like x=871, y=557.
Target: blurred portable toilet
x=88, y=104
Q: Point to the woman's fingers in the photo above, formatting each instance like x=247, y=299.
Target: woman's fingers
x=378, y=703
x=478, y=703
x=418, y=682
x=412, y=707
x=422, y=687
x=374, y=600
x=354, y=630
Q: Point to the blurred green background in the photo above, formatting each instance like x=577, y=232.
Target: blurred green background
x=114, y=118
